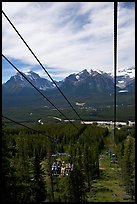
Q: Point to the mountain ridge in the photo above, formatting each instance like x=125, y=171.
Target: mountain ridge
x=91, y=92
x=94, y=81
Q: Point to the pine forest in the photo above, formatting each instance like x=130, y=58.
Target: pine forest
x=67, y=164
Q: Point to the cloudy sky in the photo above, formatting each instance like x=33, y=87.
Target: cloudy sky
x=67, y=37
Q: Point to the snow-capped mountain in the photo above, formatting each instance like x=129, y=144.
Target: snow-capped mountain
x=19, y=81
x=84, y=82
x=124, y=76
x=95, y=87
x=128, y=71
x=88, y=82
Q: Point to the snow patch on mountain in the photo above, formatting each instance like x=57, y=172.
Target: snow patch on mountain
x=15, y=78
x=77, y=77
x=22, y=78
x=99, y=71
x=124, y=76
x=126, y=71
x=27, y=73
x=43, y=88
x=83, y=71
x=94, y=74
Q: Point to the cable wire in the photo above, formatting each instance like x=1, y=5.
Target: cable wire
x=36, y=88
x=115, y=60
x=39, y=132
x=40, y=64
x=20, y=124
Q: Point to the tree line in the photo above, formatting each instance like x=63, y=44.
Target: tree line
x=125, y=150
x=27, y=160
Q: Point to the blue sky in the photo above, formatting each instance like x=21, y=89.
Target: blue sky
x=67, y=37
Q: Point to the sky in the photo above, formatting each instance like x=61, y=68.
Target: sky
x=67, y=37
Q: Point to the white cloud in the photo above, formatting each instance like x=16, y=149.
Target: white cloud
x=68, y=35
x=126, y=36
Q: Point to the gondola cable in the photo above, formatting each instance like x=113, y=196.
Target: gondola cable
x=40, y=64
x=115, y=60
x=37, y=89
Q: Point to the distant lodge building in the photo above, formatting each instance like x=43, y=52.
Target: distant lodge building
x=129, y=123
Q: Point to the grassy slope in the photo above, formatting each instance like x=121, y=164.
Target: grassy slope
x=108, y=188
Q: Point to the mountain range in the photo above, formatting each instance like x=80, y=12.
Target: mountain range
x=85, y=81
x=82, y=86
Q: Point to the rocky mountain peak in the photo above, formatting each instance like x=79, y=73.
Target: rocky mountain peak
x=19, y=81
x=88, y=81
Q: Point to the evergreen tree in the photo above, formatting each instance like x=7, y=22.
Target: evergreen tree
x=38, y=183
x=87, y=165
x=76, y=186
x=129, y=165
x=9, y=174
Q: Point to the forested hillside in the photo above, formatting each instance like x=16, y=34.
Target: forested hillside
x=28, y=157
